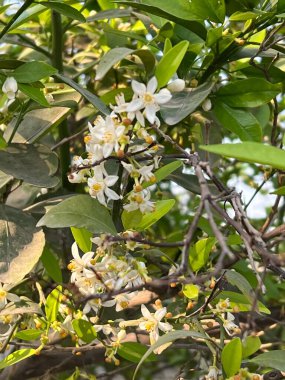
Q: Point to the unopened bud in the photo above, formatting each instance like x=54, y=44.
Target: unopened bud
x=189, y=305
x=120, y=153
x=127, y=122
x=194, y=83
x=207, y=105
x=236, y=309
x=240, y=41
x=148, y=139
x=138, y=188
x=168, y=315
x=158, y=304
x=176, y=86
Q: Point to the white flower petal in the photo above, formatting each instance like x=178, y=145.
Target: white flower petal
x=152, y=85
x=111, y=194
x=138, y=88
x=150, y=112
x=111, y=180
x=145, y=312
x=135, y=105
x=163, y=96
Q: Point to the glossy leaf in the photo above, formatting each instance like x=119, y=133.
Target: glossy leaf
x=250, y=152
x=213, y=10
x=134, y=351
x=82, y=238
x=184, y=103
x=84, y=330
x=241, y=122
x=79, y=211
x=250, y=345
x=164, y=172
x=29, y=334
x=34, y=93
x=16, y=357
x=161, y=209
x=52, y=304
x=199, y=253
x=170, y=62
x=232, y=357
x=33, y=71
x=272, y=359
x=65, y=10
x=21, y=244
x=248, y=92
x=33, y=164
x=51, y=265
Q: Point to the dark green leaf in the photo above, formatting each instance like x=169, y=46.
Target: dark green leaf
x=272, y=359
x=213, y=10
x=84, y=330
x=65, y=10
x=79, y=211
x=21, y=244
x=34, y=93
x=110, y=14
x=184, y=103
x=250, y=152
x=33, y=71
x=240, y=122
x=248, y=92
x=133, y=352
x=35, y=165
x=232, y=356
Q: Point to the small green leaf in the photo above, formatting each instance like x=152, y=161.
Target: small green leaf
x=248, y=92
x=65, y=10
x=82, y=238
x=16, y=357
x=51, y=265
x=29, y=334
x=232, y=356
x=250, y=345
x=241, y=283
x=161, y=208
x=280, y=191
x=199, y=253
x=52, y=304
x=164, y=172
x=79, y=211
x=33, y=71
x=170, y=62
x=133, y=352
x=3, y=143
x=243, y=16
x=84, y=330
x=34, y=93
x=131, y=219
x=240, y=122
x=191, y=291
x=250, y=152
x=272, y=359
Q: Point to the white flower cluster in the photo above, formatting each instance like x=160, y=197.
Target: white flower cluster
x=223, y=309
x=116, y=135
x=101, y=272
x=9, y=88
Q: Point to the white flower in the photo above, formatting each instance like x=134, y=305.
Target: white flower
x=140, y=201
x=176, y=86
x=5, y=295
x=144, y=172
x=10, y=87
x=153, y=324
x=145, y=98
x=121, y=301
x=99, y=186
x=212, y=374
x=223, y=305
x=230, y=327
x=80, y=266
x=80, y=175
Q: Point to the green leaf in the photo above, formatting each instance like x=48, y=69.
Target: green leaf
x=213, y=10
x=280, y=191
x=110, y=14
x=236, y=279
x=52, y=304
x=16, y=357
x=248, y=92
x=21, y=244
x=243, y=16
x=65, y=10
x=232, y=356
x=169, y=338
x=93, y=99
x=28, y=15
x=191, y=291
x=250, y=345
x=161, y=208
x=84, y=330
x=272, y=359
x=164, y=172
x=33, y=71
x=184, y=103
x=115, y=55
x=51, y=265
x=199, y=253
x=250, y=152
x=134, y=351
x=79, y=211
x=34, y=93
x=82, y=238
x=34, y=164
x=3, y=143
x=240, y=122
x=131, y=219
x=29, y=334
x=170, y=62
x=241, y=301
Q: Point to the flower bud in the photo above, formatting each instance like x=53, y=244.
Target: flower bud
x=207, y=105
x=176, y=86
